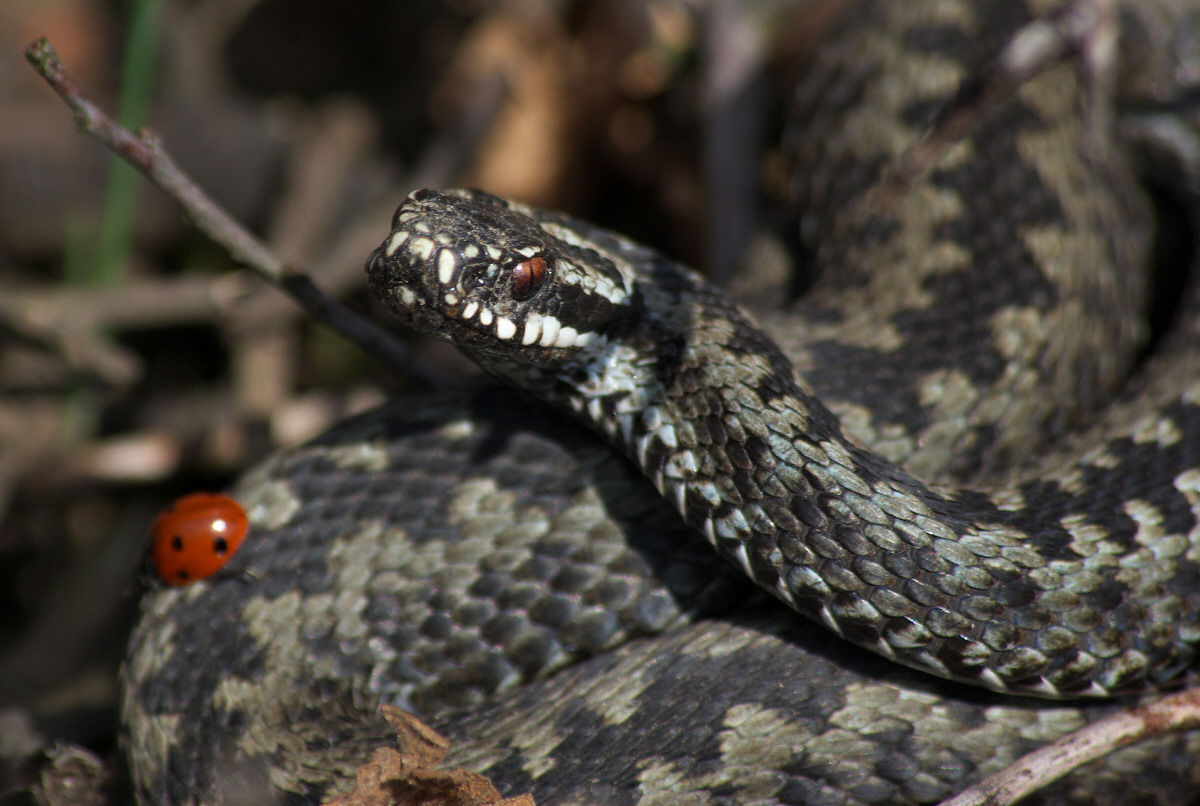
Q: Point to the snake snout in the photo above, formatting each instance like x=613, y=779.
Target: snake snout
x=489, y=276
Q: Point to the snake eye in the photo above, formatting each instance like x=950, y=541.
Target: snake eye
x=527, y=277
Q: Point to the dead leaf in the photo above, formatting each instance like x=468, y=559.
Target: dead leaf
x=409, y=776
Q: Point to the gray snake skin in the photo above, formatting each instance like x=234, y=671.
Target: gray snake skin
x=484, y=561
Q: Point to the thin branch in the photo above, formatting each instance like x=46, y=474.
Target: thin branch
x=145, y=153
x=1172, y=713
x=138, y=303
x=373, y=339
x=71, y=322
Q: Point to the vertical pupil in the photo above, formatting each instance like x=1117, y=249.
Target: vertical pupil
x=527, y=277
x=220, y=545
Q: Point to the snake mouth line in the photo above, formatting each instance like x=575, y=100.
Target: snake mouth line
x=530, y=329
x=506, y=284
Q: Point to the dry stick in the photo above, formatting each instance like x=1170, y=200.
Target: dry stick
x=68, y=322
x=441, y=161
x=78, y=348
x=146, y=154
x=138, y=303
x=1172, y=713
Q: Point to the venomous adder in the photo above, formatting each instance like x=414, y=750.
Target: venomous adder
x=485, y=561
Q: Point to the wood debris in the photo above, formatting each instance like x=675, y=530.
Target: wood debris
x=410, y=777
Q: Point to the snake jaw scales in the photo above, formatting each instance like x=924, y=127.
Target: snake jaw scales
x=691, y=389
x=464, y=267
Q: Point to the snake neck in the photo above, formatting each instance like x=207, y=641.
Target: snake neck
x=714, y=414
x=969, y=585
x=945, y=581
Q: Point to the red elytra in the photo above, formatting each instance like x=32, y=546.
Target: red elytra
x=196, y=537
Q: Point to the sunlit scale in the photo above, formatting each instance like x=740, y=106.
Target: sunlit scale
x=550, y=328
x=446, y=266
x=423, y=247
x=545, y=331
x=533, y=330
x=196, y=537
x=395, y=242
x=527, y=277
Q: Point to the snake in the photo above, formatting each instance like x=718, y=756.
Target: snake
x=905, y=541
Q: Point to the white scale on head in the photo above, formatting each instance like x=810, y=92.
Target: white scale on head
x=395, y=242
x=591, y=282
x=505, y=328
x=539, y=329
x=544, y=330
x=423, y=248
x=446, y=266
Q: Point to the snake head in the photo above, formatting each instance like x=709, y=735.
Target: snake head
x=499, y=279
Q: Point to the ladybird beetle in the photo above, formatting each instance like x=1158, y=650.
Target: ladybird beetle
x=196, y=536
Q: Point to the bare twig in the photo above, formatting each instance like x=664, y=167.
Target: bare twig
x=70, y=322
x=145, y=153
x=437, y=166
x=1172, y=713
x=138, y=303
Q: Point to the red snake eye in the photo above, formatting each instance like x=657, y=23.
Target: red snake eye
x=527, y=277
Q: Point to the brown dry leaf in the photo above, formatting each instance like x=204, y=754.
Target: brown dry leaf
x=70, y=776
x=409, y=777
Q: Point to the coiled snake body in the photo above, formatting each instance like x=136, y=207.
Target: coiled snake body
x=439, y=553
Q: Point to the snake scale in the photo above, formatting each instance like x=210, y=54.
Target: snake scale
x=883, y=457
